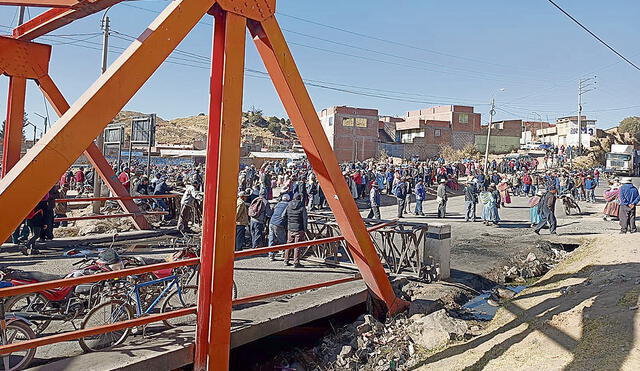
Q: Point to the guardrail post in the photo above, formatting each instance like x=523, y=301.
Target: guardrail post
x=438, y=245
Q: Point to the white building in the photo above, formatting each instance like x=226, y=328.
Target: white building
x=565, y=133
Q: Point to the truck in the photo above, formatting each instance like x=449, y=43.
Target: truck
x=623, y=160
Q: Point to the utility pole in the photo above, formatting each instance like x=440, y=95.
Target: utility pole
x=584, y=86
x=21, y=15
x=492, y=112
x=97, y=183
x=46, y=121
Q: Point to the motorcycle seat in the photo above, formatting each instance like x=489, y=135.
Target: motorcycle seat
x=36, y=276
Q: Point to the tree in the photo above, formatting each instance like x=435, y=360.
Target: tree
x=275, y=127
x=630, y=125
x=274, y=120
x=255, y=118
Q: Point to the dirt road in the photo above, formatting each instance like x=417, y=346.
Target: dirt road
x=582, y=315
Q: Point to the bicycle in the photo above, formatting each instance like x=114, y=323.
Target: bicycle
x=14, y=328
x=120, y=308
x=185, y=247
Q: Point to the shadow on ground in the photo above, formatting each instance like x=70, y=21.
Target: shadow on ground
x=607, y=325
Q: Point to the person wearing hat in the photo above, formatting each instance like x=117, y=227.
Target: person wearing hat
x=242, y=219
x=259, y=211
x=297, y=227
x=534, y=202
x=612, y=197
x=503, y=187
x=421, y=195
x=441, y=197
x=187, y=206
x=278, y=224
x=547, y=211
x=374, y=201
x=629, y=200
x=470, y=200
x=400, y=191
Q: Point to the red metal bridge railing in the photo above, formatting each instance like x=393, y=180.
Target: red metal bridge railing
x=76, y=334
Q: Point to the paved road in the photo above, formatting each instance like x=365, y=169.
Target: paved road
x=475, y=248
x=255, y=275
x=478, y=249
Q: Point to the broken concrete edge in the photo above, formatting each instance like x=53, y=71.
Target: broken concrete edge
x=99, y=238
x=158, y=354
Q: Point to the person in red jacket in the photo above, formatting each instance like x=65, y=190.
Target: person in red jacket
x=526, y=184
x=79, y=178
x=124, y=177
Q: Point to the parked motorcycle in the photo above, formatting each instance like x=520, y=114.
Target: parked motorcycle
x=59, y=304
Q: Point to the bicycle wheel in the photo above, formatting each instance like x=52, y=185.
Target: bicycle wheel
x=18, y=331
x=174, y=301
x=30, y=303
x=234, y=293
x=106, y=313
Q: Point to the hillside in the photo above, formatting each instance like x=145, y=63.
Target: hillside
x=186, y=130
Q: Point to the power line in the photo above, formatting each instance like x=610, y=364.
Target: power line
x=594, y=35
x=261, y=74
x=207, y=59
x=484, y=75
x=380, y=52
x=413, y=47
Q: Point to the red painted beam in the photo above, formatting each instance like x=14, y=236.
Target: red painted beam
x=108, y=216
x=41, y=3
x=55, y=18
x=14, y=123
x=88, y=199
x=210, y=194
x=94, y=154
x=72, y=335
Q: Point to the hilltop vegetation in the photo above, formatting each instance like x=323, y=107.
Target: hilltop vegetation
x=186, y=130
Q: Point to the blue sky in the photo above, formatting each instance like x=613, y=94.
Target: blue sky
x=420, y=53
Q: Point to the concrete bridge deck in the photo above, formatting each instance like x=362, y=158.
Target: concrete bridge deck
x=160, y=349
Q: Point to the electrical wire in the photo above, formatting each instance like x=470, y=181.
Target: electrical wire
x=380, y=52
x=594, y=35
x=477, y=74
x=392, y=42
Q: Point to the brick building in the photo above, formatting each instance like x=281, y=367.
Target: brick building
x=505, y=136
x=463, y=122
x=423, y=138
x=352, y=132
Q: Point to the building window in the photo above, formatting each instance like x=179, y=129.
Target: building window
x=463, y=118
x=347, y=121
x=437, y=132
x=330, y=120
x=407, y=136
x=361, y=122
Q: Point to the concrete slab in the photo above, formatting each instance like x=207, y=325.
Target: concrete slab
x=173, y=349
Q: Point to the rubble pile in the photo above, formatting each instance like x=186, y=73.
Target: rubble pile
x=94, y=226
x=368, y=344
x=522, y=269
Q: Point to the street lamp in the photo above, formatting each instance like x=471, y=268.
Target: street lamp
x=46, y=121
x=492, y=112
x=34, y=131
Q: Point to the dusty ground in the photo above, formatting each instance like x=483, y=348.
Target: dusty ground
x=582, y=315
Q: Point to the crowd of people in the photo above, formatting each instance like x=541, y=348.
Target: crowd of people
x=274, y=199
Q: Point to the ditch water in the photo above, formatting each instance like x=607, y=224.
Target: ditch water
x=483, y=307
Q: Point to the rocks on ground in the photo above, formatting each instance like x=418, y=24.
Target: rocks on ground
x=368, y=344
